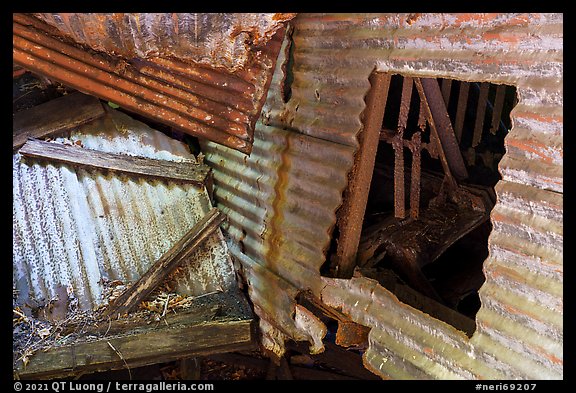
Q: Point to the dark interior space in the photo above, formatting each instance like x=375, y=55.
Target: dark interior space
x=451, y=240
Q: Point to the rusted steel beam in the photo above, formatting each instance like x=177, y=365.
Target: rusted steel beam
x=406, y=98
x=415, y=175
x=497, y=108
x=351, y=214
x=398, y=145
x=55, y=116
x=399, y=207
x=421, y=116
x=480, y=112
x=140, y=166
x=461, y=111
x=166, y=264
x=441, y=126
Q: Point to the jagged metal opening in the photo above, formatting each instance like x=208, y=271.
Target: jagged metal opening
x=425, y=247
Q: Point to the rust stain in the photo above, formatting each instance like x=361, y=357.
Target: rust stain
x=351, y=334
x=553, y=358
x=477, y=18
x=532, y=147
x=283, y=16
x=502, y=37
x=538, y=117
x=207, y=102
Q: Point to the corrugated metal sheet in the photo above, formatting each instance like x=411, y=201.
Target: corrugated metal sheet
x=217, y=40
x=280, y=202
x=519, y=326
x=203, y=80
x=73, y=227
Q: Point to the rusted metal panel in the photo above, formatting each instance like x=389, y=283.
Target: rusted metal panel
x=75, y=227
x=214, y=39
x=272, y=200
x=215, y=93
x=333, y=58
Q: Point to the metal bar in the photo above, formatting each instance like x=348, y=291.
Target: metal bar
x=480, y=112
x=415, y=175
x=446, y=88
x=351, y=214
x=405, y=103
x=422, y=116
x=461, y=111
x=441, y=126
x=497, y=109
x=399, y=208
x=202, y=100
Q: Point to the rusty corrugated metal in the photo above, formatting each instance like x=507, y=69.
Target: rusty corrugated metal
x=217, y=40
x=280, y=202
x=215, y=90
x=73, y=227
x=519, y=326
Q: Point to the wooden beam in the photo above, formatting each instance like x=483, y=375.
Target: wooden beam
x=55, y=116
x=351, y=213
x=140, y=166
x=201, y=331
x=166, y=264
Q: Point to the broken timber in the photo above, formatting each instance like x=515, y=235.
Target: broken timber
x=166, y=264
x=149, y=167
x=218, y=323
x=55, y=116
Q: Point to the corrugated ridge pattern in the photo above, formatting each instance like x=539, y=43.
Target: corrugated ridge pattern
x=205, y=101
x=281, y=203
x=74, y=227
x=333, y=57
x=217, y=40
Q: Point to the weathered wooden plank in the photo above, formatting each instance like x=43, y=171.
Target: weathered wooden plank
x=215, y=324
x=55, y=116
x=138, y=350
x=140, y=166
x=497, y=109
x=166, y=264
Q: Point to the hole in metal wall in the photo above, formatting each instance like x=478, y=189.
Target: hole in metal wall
x=427, y=221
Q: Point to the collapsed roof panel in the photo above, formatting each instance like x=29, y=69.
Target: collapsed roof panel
x=74, y=227
x=203, y=74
